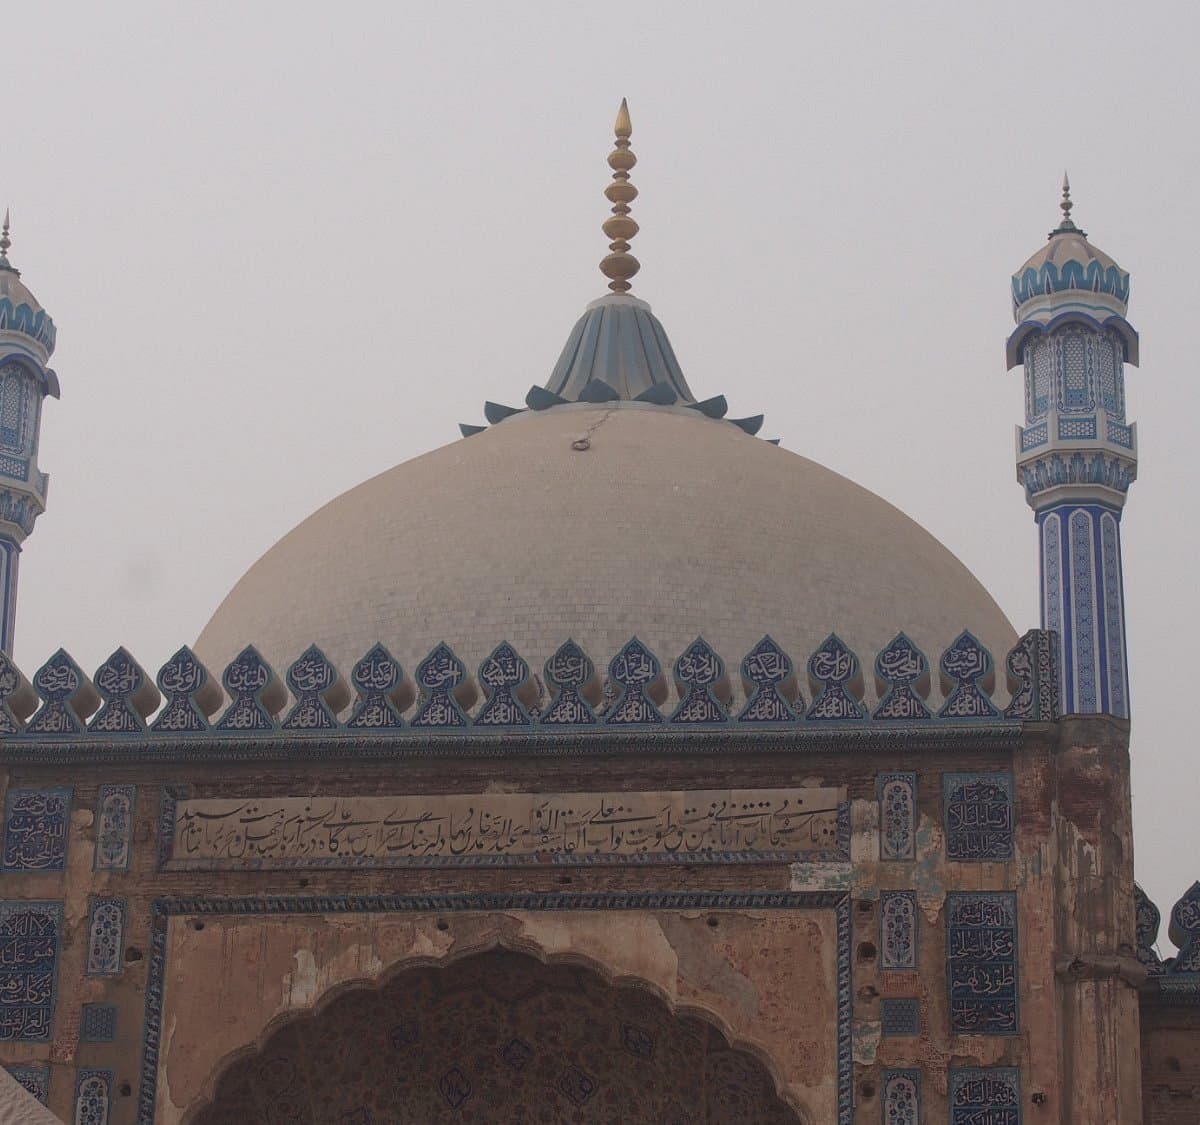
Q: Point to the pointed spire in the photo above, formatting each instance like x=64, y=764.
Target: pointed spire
x=1066, y=225
x=5, y=243
x=620, y=265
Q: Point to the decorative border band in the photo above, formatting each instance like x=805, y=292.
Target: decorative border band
x=829, y=738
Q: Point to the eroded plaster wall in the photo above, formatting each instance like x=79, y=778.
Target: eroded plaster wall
x=767, y=976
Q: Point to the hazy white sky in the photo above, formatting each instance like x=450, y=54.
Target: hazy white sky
x=289, y=245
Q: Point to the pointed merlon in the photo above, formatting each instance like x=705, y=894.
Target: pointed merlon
x=620, y=265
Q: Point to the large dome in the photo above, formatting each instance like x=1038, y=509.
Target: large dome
x=599, y=522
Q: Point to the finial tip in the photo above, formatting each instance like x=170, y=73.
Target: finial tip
x=623, y=127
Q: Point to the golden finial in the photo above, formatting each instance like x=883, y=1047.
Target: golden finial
x=620, y=265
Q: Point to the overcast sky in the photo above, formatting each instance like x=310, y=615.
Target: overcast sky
x=290, y=245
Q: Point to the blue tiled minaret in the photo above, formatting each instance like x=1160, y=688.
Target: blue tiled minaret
x=26, y=343
x=1077, y=454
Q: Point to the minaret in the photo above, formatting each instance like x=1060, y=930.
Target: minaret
x=1076, y=454
x=26, y=343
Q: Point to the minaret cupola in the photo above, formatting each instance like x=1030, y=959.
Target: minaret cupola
x=26, y=344
x=1076, y=452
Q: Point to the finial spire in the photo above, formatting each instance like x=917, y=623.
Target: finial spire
x=5, y=243
x=620, y=265
x=1066, y=224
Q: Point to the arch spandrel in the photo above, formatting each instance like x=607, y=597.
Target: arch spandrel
x=497, y=1037
x=248, y=979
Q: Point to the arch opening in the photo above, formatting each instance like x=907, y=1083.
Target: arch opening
x=497, y=1037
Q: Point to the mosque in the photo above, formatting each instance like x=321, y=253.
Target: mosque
x=608, y=764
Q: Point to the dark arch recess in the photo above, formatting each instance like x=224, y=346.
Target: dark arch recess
x=496, y=1037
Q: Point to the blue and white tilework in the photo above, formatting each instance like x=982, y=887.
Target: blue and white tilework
x=981, y=956
x=979, y=816
x=1083, y=601
x=36, y=826
x=898, y=929
x=106, y=937
x=901, y=1097
x=899, y=1016
x=985, y=1094
x=29, y=944
x=114, y=827
x=93, y=1095
x=34, y=1080
x=897, y=793
x=98, y=1023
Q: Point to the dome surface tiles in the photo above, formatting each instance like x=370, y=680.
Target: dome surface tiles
x=669, y=525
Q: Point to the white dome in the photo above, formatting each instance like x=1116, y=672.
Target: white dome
x=667, y=525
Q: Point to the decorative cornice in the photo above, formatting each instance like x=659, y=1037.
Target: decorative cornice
x=513, y=719
x=1101, y=475
x=29, y=321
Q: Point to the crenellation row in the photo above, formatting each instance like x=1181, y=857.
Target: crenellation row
x=121, y=699
x=1179, y=974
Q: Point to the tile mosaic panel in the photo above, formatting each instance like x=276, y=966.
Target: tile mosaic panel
x=900, y=1016
x=98, y=1023
x=106, y=937
x=29, y=944
x=979, y=816
x=981, y=954
x=93, y=1095
x=985, y=1094
x=34, y=1079
x=898, y=929
x=897, y=793
x=114, y=827
x=36, y=825
x=901, y=1097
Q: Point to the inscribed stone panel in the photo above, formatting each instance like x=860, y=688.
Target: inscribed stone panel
x=981, y=952
x=36, y=822
x=29, y=939
x=506, y=829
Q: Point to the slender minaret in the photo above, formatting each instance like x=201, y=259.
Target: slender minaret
x=1076, y=454
x=26, y=343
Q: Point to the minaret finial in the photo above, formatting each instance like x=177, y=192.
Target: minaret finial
x=1066, y=224
x=620, y=265
x=5, y=243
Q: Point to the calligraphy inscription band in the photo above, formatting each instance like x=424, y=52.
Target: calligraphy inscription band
x=509, y=829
